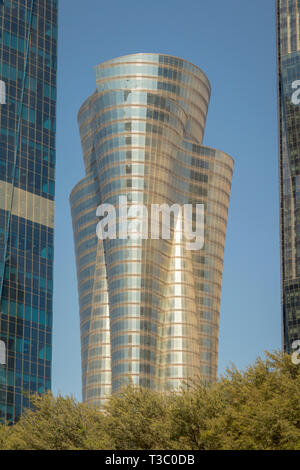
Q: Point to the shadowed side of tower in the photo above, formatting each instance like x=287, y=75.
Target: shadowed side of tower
x=288, y=62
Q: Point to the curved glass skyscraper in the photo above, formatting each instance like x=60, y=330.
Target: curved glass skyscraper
x=28, y=41
x=288, y=48
x=149, y=308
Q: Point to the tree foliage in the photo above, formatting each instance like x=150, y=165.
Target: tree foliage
x=255, y=409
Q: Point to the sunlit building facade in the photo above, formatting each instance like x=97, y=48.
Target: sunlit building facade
x=149, y=308
x=288, y=48
x=28, y=42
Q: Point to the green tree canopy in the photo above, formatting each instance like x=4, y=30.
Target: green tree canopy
x=258, y=408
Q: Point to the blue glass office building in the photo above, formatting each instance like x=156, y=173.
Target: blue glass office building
x=28, y=52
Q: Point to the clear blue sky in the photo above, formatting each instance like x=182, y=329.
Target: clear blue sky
x=233, y=42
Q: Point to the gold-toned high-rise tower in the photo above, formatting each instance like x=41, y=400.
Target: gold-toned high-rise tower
x=149, y=309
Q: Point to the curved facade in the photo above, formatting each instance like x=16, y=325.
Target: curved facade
x=149, y=309
x=288, y=37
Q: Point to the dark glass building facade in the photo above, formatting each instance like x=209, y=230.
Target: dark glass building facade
x=288, y=49
x=149, y=308
x=28, y=54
